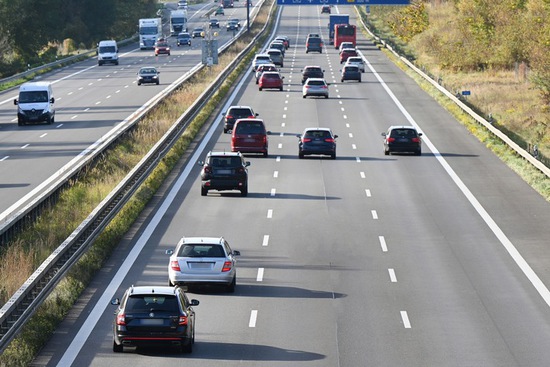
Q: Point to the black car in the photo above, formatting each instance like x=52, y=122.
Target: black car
x=312, y=72
x=314, y=44
x=184, y=38
x=224, y=171
x=325, y=9
x=402, y=139
x=148, y=75
x=198, y=32
x=351, y=72
x=154, y=315
x=233, y=25
x=234, y=113
x=214, y=23
x=317, y=140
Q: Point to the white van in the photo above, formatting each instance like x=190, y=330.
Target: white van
x=35, y=103
x=107, y=52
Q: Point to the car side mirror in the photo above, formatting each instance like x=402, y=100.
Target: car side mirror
x=383, y=134
x=298, y=136
x=335, y=136
x=268, y=132
x=115, y=302
x=200, y=163
x=15, y=101
x=236, y=253
x=194, y=302
x=169, y=252
x=256, y=114
x=52, y=100
x=247, y=164
x=419, y=134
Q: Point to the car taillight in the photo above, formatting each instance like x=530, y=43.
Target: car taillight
x=175, y=265
x=226, y=266
x=329, y=140
x=121, y=319
x=415, y=140
x=207, y=169
x=229, y=117
x=240, y=170
x=324, y=87
x=307, y=86
x=321, y=44
x=182, y=320
x=251, y=117
x=391, y=140
x=306, y=140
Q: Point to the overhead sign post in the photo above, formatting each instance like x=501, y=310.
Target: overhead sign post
x=343, y=2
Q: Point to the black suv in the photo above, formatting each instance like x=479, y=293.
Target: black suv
x=224, y=171
x=314, y=44
x=153, y=315
x=402, y=139
x=312, y=72
x=234, y=113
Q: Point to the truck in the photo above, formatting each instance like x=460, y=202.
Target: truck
x=333, y=20
x=150, y=30
x=178, y=21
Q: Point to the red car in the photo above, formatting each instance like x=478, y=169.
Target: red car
x=347, y=52
x=271, y=79
x=161, y=47
x=249, y=136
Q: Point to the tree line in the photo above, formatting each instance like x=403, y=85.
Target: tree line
x=36, y=31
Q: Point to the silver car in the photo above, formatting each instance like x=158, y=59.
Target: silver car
x=357, y=61
x=201, y=261
x=315, y=87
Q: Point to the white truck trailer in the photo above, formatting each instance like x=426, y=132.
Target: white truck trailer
x=150, y=30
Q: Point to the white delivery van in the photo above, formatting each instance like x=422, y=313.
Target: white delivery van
x=35, y=103
x=107, y=52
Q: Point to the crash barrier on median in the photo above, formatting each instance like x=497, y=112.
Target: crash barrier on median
x=22, y=305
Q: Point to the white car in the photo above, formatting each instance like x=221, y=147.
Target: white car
x=316, y=87
x=261, y=59
x=344, y=45
x=356, y=61
x=202, y=260
x=264, y=67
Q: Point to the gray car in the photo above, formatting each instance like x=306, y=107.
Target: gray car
x=276, y=56
x=203, y=260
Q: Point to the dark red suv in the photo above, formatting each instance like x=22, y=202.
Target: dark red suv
x=347, y=52
x=249, y=136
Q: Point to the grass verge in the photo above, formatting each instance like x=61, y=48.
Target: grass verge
x=28, y=251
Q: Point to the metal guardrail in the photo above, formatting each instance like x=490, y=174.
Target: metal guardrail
x=22, y=305
x=502, y=136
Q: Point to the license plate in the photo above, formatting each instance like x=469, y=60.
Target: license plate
x=152, y=322
x=200, y=265
x=223, y=171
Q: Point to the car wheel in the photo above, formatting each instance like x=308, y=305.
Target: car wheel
x=342, y=80
x=204, y=191
x=231, y=286
x=117, y=348
x=300, y=155
x=139, y=83
x=386, y=152
x=260, y=88
x=359, y=80
x=244, y=191
x=281, y=89
x=158, y=82
x=307, y=51
x=418, y=152
x=333, y=156
x=265, y=154
x=326, y=97
x=303, y=96
x=188, y=347
x=51, y=120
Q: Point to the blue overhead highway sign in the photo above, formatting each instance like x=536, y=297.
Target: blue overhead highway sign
x=343, y=2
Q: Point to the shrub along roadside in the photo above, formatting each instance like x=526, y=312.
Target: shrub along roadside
x=78, y=201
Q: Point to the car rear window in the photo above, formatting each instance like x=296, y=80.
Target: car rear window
x=250, y=128
x=316, y=82
x=240, y=112
x=351, y=68
x=403, y=133
x=317, y=134
x=201, y=250
x=216, y=161
x=149, y=302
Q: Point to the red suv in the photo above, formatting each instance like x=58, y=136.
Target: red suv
x=271, y=79
x=249, y=136
x=347, y=52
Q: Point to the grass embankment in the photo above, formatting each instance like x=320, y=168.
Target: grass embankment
x=506, y=95
x=19, y=260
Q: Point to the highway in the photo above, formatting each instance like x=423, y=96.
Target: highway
x=90, y=102
x=366, y=260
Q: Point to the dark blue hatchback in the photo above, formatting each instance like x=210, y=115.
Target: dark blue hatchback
x=317, y=141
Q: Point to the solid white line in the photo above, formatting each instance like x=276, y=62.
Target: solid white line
x=260, y=276
x=406, y=322
x=270, y=213
x=266, y=240
x=253, y=317
x=506, y=243
x=393, y=278
x=383, y=243
x=374, y=214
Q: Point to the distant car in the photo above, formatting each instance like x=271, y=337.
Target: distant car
x=183, y=38
x=350, y=72
x=219, y=11
x=214, y=23
x=271, y=80
x=315, y=35
x=260, y=59
x=234, y=113
x=162, y=47
x=262, y=68
x=276, y=56
x=402, y=139
x=317, y=87
x=346, y=44
x=346, y=53
x=223, y=171
x=325, y=9
x=357, y=61
x=312, y=71
x=279, y=45
x=250, y=136
x=148, y=75
x=152, y=315
x=284, y=40
x=233, y=25
x=317, y=140
x=198, y=32
x=203, y=261
x=182, y=4
x=314, y=44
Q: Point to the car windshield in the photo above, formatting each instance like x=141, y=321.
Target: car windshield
x=201, y=250
x=224, y=161
x=148, y=71
x=34, y=96
x=150, y=302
